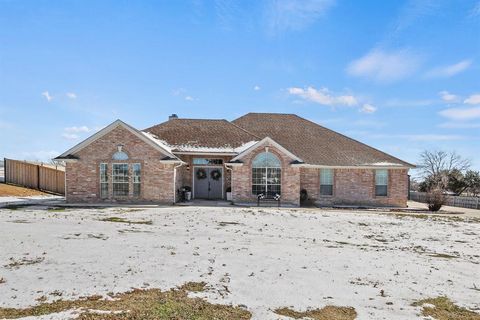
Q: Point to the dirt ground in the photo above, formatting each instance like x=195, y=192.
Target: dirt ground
x=7, y=190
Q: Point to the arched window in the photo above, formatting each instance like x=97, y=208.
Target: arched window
x=120, y=174
x=120, y=155
x=266, y=174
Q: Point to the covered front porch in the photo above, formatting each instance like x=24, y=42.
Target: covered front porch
x=205, y=176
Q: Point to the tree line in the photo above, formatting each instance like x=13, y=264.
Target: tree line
x=445, y=173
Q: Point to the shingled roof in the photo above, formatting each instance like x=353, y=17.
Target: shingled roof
x=202, y=135
x=313, y=143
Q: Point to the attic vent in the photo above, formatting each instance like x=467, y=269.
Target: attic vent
x=173, y=116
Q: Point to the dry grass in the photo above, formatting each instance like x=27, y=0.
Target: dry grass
x=443, y=255
x=7, y=190
x=122, y=220
x=326, y=313
x=194, y=286
x=441, y=308
x=151, y=304
x=15, y=264
x=55, y=209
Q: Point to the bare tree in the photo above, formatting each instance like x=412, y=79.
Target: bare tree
x=439, y=168
x=437, y=163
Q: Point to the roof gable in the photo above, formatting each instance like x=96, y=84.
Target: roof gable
x=69, y=154
x=270, y=142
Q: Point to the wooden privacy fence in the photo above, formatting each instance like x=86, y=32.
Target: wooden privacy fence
x=36, y=176
x=454, y=201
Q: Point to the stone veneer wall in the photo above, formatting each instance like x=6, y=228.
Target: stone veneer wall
x=356, y=186
x=242, y=178
x=83, y=176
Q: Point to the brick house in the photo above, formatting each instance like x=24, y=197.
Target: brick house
x=258, y=153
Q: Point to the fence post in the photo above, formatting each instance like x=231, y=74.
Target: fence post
x=56, y=178
x=38, y=177
x=5, y=170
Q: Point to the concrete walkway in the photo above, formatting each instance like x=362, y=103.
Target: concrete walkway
x=205, y=203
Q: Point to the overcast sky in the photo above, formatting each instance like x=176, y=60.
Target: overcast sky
x=402, y=76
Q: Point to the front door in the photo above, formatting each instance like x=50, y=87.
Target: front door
x=208, y=183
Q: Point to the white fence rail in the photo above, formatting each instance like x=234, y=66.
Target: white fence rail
x=454, y=201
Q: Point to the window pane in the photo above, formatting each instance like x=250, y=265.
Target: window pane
x=136, y=189
x=326, y=190
x=137, y=172
x=326, y=182
x=103, y=180
x=274, y=176
x=326, y=176
x=120, y=155
x=381, y=177
x=120, y=189
x=259, y=176
x=272, y=189
x=266, y=160
x=103, y=172
x=268, y=177
x=207, y=161
x=120, y=179
x=137, y=175
x=103, y=190
x=381, y=190
x=257, y=189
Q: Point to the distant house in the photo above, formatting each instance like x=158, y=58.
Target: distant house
x=257, y=153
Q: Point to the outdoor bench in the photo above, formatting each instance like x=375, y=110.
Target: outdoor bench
x=268, y=197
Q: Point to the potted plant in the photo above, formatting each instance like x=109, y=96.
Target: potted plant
x=229, y=194
x=188, y=193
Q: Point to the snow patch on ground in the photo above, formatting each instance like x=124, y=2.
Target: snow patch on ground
x=4, y=201
x=263, y=258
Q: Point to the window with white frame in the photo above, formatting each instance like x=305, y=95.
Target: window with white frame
x=381, y=182
x=120, y=155
x=120, y=179
x=137, y=178
x=205, y=161
x=326, y=182
x=266, y=174
x=103, y=180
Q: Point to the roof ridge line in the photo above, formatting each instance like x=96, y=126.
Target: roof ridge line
x=244, y=130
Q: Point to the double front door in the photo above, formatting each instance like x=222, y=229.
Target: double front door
x=208, y=182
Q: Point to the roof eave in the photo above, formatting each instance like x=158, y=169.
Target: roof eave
x=322, y=166
x=205, y=153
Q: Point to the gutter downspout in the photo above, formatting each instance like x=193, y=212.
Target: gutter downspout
x=175, y=181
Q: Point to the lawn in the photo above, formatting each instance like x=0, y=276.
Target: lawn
x=237, y=263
